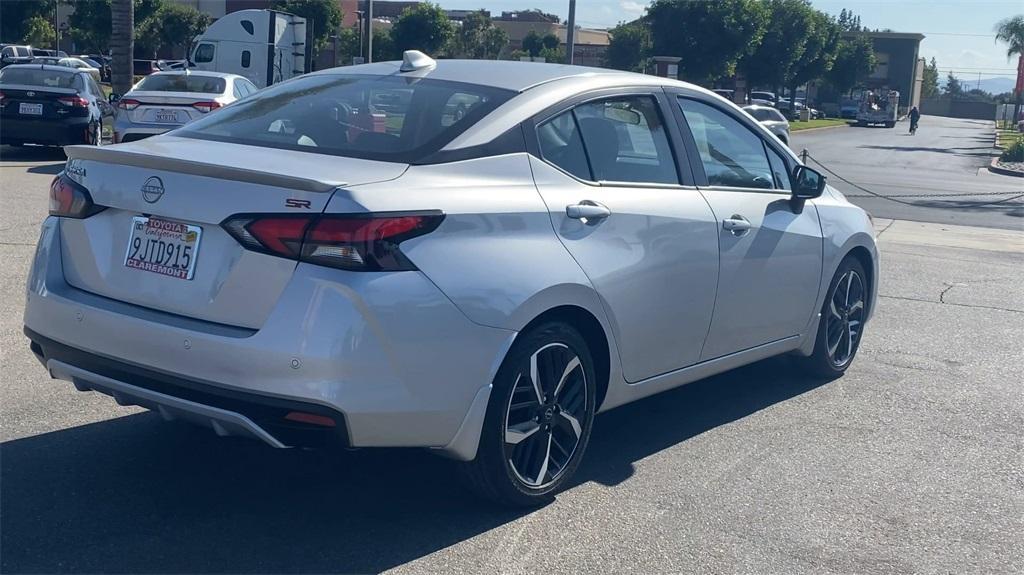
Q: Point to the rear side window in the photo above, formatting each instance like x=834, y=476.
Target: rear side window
x=732, y=155
x=626, y=141
x=375, y=117
x=40, y=77
x=193, y=83
x=204, y=53
x=560, y=144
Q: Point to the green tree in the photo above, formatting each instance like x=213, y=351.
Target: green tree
x=854, y=59
x=930, y=81
x=783, y=43
x=424, y=27
x=16, y=18
x=533, y=43
x=710, y=37
x=38, y=32
x=91, y=23
x=629, y=47
x=384, y=47
x=550, y=42
x=1011, y=32
x=179, y=25
x=323, y=16
x=953, y=89
x=478, y=38
x=818, y=55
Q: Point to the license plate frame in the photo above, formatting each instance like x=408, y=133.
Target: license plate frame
x=173, y=245
x=29, y=109
x=166, y=117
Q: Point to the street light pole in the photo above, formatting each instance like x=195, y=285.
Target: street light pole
x=369, y=31
x=570, y=34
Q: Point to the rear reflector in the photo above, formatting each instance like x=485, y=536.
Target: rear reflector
x=356, y=242
x=310, y=418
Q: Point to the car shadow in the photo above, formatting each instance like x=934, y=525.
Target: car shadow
x=956, y=151
x=134, y=494
x=31, y=154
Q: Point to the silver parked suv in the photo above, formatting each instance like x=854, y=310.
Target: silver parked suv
x=473, y=257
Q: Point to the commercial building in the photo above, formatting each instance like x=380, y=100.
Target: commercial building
x=898, y=65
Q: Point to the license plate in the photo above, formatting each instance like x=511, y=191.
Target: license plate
x=30, y=109
x=163, y=247
x=166, y=117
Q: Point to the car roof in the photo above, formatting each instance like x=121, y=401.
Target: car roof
x=191, y=72
x=502, y=74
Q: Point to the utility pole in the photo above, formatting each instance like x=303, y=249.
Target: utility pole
x=56, y=28
x=570, y=34
x=362, y=24
x=369, y=31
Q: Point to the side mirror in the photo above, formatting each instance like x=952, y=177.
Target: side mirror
x=807, y=183
x=113, y=98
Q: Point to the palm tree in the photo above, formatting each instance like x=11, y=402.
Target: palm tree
x=1011, y=31
x=122, y=44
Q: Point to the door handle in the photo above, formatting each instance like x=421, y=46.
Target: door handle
x=737, y=225
x=587, y=210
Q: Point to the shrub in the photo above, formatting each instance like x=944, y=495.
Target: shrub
x=1013, y=152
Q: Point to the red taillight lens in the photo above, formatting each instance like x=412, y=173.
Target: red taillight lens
x=354, y=242
x=206, y=106
x=70, y=200
x=73, y=102
x=128, y=104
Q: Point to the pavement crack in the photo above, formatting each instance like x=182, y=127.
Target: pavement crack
x=942, y=294
x=30, y=244
x=885, y=229
x=1011, y=310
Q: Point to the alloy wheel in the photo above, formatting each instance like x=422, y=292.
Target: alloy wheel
x=545, y=415
x=845, y=318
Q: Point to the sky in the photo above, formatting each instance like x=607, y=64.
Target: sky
x=959, y=33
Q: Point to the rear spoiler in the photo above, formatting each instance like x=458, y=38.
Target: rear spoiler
x=40, y=89
x=197, y=168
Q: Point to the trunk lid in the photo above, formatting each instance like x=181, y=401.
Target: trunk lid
x=152, y=178
x=167, y=107
x=39, y=102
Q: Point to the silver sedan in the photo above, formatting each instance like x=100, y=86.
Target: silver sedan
x=471, y=257
x=772, y=119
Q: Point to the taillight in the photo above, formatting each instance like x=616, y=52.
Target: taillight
x=73, y=101
x=356, y=242
x=128, y=104
x=206, y=106
x=69, y=199
x=3, y=100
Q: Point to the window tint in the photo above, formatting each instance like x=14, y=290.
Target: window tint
x=236, y=91
x=732, y=154
x=625, y=140
x=457, y=106
x=180, y=82
x=204, y=53
x=94, y=87
x=246, y=58
x=376, y=117
x=779, y=169
x=560, y=144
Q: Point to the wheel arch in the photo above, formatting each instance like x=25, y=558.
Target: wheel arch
x=593, y=333
x=862, y=255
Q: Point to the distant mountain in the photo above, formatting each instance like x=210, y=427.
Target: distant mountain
x=997, y=85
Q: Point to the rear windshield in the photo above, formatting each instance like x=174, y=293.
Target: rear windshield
x=40, y=77
x=181, y=83
x=387, y=118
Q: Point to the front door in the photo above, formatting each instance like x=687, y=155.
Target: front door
x=648, y=244
x=770, y=251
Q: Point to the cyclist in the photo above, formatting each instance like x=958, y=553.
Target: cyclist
x=914, y=117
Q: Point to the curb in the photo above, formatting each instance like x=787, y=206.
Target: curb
x=794, y=132
x=994, y=168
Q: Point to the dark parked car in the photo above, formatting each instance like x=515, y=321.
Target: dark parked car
x=98, y=61
x=50, y=105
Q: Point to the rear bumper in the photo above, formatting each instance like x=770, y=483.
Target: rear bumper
x=387, y=355
x=44, y=131
x=123, y=127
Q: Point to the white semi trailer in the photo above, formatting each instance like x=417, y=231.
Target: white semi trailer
x=265, y=46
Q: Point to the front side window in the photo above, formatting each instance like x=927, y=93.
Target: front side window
x=204, y=53
x=246, y=58
x=383, y=118
x=625, y=140
x=779, y=169
x=732, y=155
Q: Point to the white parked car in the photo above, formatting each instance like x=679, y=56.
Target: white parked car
x=163, y=101
x=477, y=269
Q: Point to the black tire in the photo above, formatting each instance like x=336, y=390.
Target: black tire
x=493, y=474
x=824, y=362
x=96, y=134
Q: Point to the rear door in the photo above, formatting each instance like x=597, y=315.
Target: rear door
x=627, y=213
x=770, y=252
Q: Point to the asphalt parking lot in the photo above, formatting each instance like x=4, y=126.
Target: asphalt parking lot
x=911, y=463
x=938, y=175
